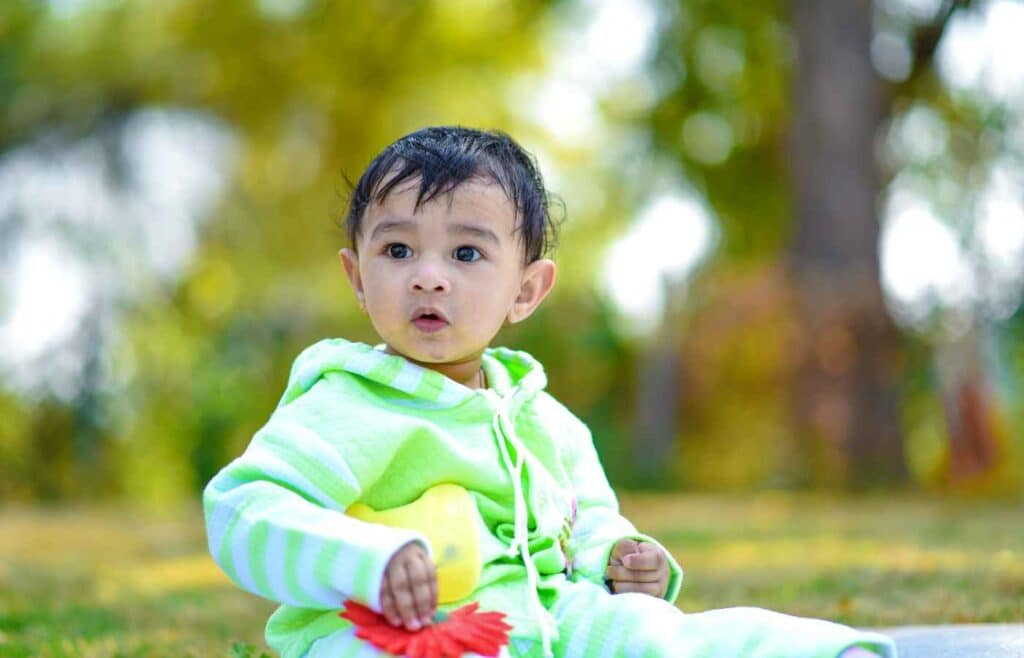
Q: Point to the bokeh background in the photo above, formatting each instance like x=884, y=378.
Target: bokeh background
x=791, y=258
x=771, y=275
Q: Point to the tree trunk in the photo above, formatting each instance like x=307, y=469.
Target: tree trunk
x=845, y=397
x=656, y=408
x=657, y=398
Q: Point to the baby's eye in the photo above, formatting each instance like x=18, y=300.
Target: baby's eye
x=467, y=254
x=398, y=250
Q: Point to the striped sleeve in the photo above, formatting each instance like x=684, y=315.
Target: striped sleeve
x=275, y=523
x=599, y=525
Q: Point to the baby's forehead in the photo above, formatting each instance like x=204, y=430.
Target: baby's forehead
x=480, y=202
x=475, y=186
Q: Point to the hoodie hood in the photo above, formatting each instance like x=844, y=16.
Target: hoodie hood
x=510, y=374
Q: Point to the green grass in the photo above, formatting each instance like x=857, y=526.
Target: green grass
x=866, y=562
x=90, y=582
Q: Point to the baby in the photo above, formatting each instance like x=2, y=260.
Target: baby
x=433, y=470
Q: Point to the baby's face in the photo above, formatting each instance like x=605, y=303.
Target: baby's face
x=438, y=283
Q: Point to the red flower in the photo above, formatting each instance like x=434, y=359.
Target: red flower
x=450, y=636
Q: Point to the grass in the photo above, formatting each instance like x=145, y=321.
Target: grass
x=99, y=581
x=866, y=562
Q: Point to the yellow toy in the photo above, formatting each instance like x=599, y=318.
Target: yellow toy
x=447, y=516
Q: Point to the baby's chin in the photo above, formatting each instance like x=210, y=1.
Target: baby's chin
x=437, y=357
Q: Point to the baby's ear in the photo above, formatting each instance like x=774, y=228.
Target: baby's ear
x=538, y=279
x=350, y=260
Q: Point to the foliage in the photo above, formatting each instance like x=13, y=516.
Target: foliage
x=723, y=75
x=186, y=365
x=193, y=364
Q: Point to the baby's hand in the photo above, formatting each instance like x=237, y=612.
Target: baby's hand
x=637, y=567
x=408, y=594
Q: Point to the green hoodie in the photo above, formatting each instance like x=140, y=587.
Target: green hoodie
x=356, y=424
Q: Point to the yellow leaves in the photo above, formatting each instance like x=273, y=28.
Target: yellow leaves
x=159, y=577
x=112, y=553
x=214, y=288
x=868, y=561
x=831, y=553
x=114, y=578
x=467, y=18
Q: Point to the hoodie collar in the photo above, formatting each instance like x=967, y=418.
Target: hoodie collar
x=510, y=374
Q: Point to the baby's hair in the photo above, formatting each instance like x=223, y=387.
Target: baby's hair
x=444, y=157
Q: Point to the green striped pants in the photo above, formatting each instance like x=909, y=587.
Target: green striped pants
x=595, y=624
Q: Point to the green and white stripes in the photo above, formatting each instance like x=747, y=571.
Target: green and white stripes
x=357, y=424
x=274, y=543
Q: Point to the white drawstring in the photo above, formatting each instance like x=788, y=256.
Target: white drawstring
x=515, y=472
x=505, y=431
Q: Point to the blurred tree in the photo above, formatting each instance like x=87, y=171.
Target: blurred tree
x=195, y=308
x=845, y=394
x=724, y=111
x=960, y=180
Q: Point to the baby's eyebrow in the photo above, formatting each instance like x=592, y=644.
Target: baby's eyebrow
x=397, y=225
x=391, y=226
x=478, y=231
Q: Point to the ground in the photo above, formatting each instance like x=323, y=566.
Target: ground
x=90, y=581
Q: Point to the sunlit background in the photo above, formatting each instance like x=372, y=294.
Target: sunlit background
x=171, y=175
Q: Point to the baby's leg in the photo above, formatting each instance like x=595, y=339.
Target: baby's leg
x=342, y=643
x=595, y=624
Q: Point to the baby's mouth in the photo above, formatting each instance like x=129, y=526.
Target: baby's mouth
x=430, y=322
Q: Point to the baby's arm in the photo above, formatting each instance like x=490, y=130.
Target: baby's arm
x=599, y=525
x=276, y=526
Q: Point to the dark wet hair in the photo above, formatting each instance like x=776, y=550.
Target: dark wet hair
x=444, y=157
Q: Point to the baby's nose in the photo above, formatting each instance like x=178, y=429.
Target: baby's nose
x=437, y=287
x=430, y=277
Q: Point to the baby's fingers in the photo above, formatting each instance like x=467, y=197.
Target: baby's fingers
x=621, y=587
x=648, y=558
x=388, y=606
x=624, y=574
x=622, y=548
x=400, y=581
x=423, y=578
